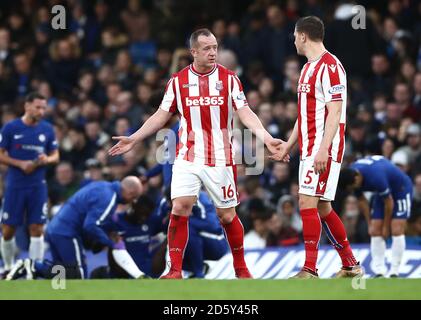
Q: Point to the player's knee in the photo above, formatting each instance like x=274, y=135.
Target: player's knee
x=36, y=230
x=305, y=203
x=8, y=232
x=226, y=215
x=398, y=229
x=181, y=208
x=375, y=231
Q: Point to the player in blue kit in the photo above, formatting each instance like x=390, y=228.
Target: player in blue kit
x=390, y=206
x=27, y=146
x=146, y=219
x=82, y=218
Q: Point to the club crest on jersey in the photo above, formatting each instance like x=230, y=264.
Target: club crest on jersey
x=41, y=137
x=219, y=85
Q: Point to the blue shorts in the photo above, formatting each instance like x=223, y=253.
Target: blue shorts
x=25, y=205
x=401, y=205
x=67, y=251
x=203, y=247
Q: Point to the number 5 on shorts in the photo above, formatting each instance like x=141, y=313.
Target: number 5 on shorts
x=228, y=193
x=308, y=179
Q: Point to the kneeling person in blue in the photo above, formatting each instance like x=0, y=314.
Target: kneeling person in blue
x=83, y=216
x=139, y=226
x=390, y=206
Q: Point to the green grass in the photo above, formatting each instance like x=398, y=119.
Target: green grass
x=213, y=289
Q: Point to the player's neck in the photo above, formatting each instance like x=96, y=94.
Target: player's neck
x=202, y=69
x=315, y=51
x=29, y=121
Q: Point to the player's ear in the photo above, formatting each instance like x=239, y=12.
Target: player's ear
x=303, y=37
x=193, y=51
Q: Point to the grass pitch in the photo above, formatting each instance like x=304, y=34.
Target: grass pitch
x=214, y=289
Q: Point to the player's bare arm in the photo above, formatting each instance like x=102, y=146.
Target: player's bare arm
x=27, y=166
x=52, y=158
x=332, y=124
x=152, y=125
x=251, y=121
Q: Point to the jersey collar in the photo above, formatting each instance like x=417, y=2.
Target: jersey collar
x=192, y=69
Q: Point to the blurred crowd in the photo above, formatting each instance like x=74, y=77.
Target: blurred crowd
x=106, y=72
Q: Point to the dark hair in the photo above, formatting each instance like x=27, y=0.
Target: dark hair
x=312, y=26
x=30, y=97
x=144, y=206
x=195, y=35
x=347, y=178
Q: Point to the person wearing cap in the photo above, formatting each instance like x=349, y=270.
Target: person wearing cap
x=400, y=159
x=93, y=172
x=413, y=143
x=390, y=206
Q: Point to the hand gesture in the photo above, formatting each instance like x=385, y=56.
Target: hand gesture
x=27, y=166
x=281, y=154
x=123, y=145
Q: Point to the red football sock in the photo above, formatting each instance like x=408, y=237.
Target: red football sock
x=336, y=233
x=312, y=229
x=235, y=235
x=178, y=235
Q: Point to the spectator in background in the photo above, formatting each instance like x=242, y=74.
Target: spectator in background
x=287, y=209
x=400, y=159
x=357, y=143
x=380, y=80
x=277, y=38
x=343, y=39
x=354, y=222
x=80, y=149
x=23, y=73
x=280, y=181
x=63, y=67
x=413, y=139
x=292, y=73
x=93, y=172
x=260, y=217
x=402, y=97
x=65, y=183
x=417, y=91
x=117, y=166
x=6, y=52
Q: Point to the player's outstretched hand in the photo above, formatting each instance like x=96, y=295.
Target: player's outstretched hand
x=123, y=145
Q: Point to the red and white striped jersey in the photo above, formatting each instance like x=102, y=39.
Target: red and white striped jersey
x=206, y=103
x=320, y=82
